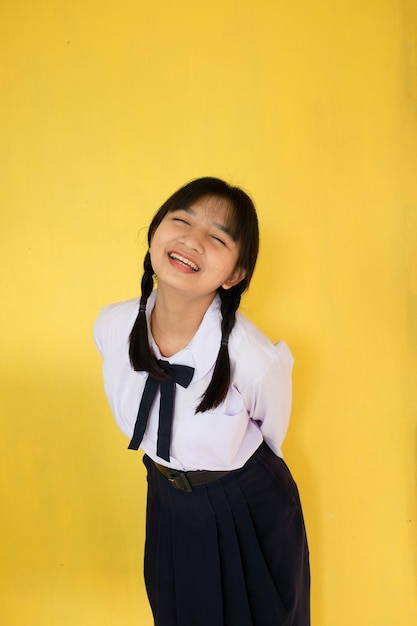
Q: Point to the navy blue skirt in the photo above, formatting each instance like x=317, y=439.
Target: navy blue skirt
x=230, y=553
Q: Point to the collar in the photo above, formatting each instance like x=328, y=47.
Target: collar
x=201, y=353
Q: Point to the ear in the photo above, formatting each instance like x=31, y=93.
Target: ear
x=238, y=275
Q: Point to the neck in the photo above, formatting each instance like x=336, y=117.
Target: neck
x=175, y=320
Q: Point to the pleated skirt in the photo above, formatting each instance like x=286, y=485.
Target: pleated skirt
x=230, y=553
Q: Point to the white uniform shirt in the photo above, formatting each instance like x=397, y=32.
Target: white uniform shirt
x=256, y=407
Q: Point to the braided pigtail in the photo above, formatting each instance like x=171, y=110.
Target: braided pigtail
x=220, y=382
x=141, y=355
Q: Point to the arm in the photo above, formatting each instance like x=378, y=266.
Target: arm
x=269, y=398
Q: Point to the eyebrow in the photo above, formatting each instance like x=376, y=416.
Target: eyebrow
x=221, y=227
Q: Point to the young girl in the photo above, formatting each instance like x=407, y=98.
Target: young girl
x=207, y=397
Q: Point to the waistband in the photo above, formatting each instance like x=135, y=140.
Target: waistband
x=185, y=481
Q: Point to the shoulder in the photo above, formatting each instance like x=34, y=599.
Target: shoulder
x=114, y=323
x=253, y=353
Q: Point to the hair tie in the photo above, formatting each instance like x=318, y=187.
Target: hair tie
x=142, y=308
x=224, y=342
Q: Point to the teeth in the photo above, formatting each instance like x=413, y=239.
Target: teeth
x=185, y=261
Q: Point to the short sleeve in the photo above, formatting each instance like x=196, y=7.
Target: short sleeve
x=270, y=397
x=113, y=325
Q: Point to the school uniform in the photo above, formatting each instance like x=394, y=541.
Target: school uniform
x=230, y=548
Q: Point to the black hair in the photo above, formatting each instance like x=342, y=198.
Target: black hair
x=244, y=228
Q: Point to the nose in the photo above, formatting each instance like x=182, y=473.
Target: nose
x=193, y=240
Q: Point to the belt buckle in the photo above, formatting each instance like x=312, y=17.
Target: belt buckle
x=179, y=480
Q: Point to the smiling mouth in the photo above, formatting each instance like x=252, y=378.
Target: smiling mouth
x=184, y=261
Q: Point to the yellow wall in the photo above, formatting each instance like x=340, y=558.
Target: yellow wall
x=107, y=107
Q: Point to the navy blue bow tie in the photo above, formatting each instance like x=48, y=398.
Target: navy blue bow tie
x=178, y=374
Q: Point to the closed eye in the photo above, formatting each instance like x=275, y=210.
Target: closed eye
x=180, y=219
x=219, y=240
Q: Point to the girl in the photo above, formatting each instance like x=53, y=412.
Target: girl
x=207, y=397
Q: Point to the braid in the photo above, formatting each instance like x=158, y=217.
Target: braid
x=219, y=385
x=140, y=353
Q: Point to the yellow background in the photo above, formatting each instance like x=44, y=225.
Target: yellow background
x=108, y=107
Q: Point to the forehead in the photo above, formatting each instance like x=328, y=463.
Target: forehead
x=214, y=205
x=214, y=209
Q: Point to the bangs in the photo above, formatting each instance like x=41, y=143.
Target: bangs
x=232, y=222
x=230, y=219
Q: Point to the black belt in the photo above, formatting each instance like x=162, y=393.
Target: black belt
x=187, y=480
